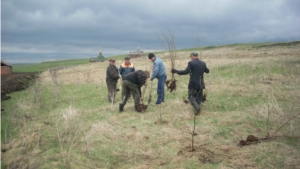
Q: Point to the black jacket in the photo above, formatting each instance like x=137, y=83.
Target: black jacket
x=196, y=68
x=138, y=77
x=112, y=74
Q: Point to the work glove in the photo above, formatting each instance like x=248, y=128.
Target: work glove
x=174, y=71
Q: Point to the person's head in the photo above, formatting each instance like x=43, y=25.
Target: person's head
x=112, y=61
x=151, y=56
x=147, y=73
x=127, y=60
x=193, y=55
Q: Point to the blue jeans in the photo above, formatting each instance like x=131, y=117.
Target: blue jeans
x=161, y=89
x=195, y=97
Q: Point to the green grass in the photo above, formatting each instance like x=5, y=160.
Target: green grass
x=79, y=129
x=40, y=67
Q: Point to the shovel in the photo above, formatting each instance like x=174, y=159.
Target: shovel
x=150, y=96
x=121, y=81
x=143, y=94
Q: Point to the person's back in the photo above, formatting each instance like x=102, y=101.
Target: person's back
x=198, y=68
x=132, y=84
x=138, y=77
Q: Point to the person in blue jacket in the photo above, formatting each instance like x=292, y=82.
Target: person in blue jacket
x=126, y=67
x=159, y=72
x=196, y=69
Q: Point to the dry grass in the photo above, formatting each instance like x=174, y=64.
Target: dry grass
x=84, y=131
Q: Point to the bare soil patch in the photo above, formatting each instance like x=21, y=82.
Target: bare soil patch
x=204, y=155
x=16, y=82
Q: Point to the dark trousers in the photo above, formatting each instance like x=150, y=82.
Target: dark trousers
x=195, y=97
x=127, y=88
x=161, y=89
x=112, y=91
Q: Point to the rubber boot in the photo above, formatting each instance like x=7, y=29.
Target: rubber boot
x=197, y=112
x=197, y=107
x=121, y=106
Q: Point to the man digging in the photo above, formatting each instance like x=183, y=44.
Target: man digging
x=132, y=83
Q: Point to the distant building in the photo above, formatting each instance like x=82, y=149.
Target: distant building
x=136, y=53
x=6, y=69
x=99, y=58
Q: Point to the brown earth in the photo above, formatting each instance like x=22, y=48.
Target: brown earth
x=16, y=82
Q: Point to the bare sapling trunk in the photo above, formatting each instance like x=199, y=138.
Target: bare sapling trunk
x=171, y=46
x=251, y=139
x=204, y=93
x=193, y=133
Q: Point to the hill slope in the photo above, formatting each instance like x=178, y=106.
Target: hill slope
x=65, y=121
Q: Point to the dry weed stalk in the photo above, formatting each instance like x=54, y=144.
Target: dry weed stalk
x=83, y=164
x=271, y=109
x=284, y=124
x=77, y=130
x=198, y=39
x=58, y=134
x=192, y=132
x=37, y=88
x=54, y=77
x=160, y=114
x=68, y=128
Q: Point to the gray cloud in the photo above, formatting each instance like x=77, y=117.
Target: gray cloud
x=35, y=31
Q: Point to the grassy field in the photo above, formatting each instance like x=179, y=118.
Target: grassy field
x=44, y=66
x=65, y=121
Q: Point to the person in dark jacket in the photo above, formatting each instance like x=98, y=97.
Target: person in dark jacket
x=132, y=83
x=196, y=69
x=112, y=77
x=126, y=67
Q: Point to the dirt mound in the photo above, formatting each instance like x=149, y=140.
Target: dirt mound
x=16, y=82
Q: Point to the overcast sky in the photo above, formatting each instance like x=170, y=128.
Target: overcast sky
x=43, y=30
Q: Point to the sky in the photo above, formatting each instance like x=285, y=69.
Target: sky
x=33, y=31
